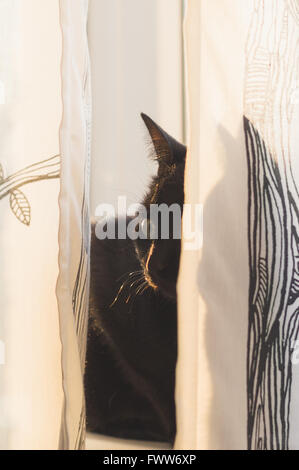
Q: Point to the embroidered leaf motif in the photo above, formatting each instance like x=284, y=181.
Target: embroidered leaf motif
x=20, y=206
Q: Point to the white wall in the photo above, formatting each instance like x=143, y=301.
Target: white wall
x=136, y=60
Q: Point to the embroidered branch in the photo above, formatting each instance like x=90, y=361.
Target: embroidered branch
x=10, y=185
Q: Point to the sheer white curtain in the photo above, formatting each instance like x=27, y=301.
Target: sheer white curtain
x=74, y=232
x=31, y=392
x=237, y=382
x=44, y=76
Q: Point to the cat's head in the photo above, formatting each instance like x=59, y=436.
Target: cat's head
x=159, y=257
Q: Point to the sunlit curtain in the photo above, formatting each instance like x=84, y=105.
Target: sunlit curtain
x=44, y=235
x=74, y=231
x=31, y=392
x=238, y=372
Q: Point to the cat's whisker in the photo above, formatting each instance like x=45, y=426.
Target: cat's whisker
x=135, y=273
x=131, y=275
x=134, y=283
x=117, y=295
x=139, y=289
x=119, y=292
x=144, y=289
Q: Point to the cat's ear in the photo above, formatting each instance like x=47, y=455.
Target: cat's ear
x=168, y=150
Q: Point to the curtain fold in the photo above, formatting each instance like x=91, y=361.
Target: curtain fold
x=74, y=232
x=44, y=243
x=237, y=378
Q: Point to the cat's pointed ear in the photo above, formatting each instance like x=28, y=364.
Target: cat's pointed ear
x=168, y=150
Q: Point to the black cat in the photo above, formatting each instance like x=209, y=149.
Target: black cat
x=132, y=338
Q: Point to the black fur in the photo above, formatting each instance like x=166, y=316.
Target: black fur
x=132, y=339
